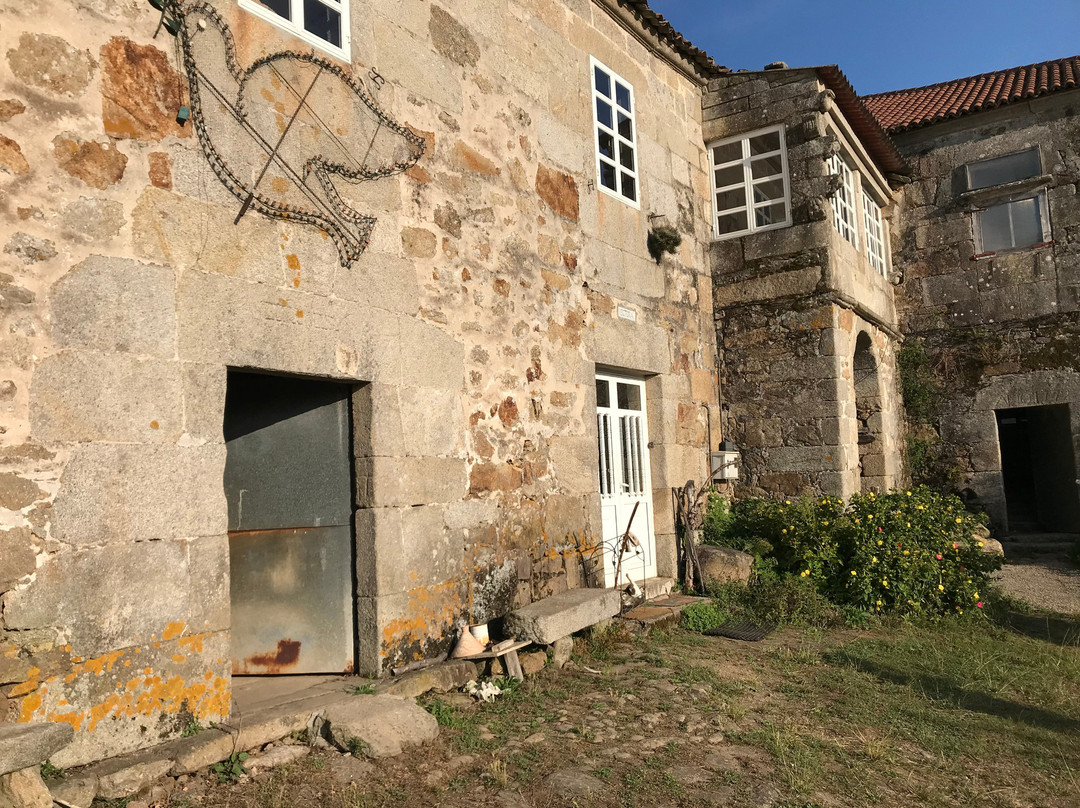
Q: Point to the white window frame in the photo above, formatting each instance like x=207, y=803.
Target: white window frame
x=875, y=234
x=295, y=26
x=845, y=219
x=598, y=127
x=1044, y=224
x=748, y=183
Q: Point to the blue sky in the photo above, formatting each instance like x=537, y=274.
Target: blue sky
x=880, y=45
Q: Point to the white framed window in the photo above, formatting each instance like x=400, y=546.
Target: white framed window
x=843, y=201
x=323, y=24
x=1014, y=225
x=749, y=179
x=616, y=136
x=875, y=234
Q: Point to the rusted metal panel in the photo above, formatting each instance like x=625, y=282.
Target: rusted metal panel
x=288, y=462
x=288, y=483
x=292, y=600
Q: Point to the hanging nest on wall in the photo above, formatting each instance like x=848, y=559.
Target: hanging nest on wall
x=663, y=239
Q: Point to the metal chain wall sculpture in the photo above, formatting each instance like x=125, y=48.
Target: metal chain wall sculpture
x=266, y=130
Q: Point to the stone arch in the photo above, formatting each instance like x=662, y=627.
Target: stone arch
x=868, y=405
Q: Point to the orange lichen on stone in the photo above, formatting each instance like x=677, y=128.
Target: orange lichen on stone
x=173, y=630
x=430, y=611
x=178, y=658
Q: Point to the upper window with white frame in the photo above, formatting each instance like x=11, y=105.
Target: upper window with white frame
x=843, y=201
x=1021, y=219
x=321, y=23
x=750, y=187
x=616, y=136
x=875, y=233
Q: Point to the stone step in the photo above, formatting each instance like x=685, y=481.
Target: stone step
x=661, y=611
x=558, y=616
x=26, y=745
x=657, y=587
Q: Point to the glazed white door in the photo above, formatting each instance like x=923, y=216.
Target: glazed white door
x=623, y=446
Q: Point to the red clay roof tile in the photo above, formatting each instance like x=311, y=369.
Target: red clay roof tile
x=920, y=106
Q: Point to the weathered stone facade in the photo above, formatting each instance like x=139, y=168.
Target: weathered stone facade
x=999, y=331
x=472, y=328
x=792, y=303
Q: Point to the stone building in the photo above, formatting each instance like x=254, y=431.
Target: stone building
x=332, y=326
x=309, y=327
x=987, y=242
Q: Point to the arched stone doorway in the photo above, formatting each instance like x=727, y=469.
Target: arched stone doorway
x=872, y=475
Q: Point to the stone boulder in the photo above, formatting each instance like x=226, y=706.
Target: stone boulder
x=724, y=565
x=384, y=725
x=24, y=789
x=23, y=746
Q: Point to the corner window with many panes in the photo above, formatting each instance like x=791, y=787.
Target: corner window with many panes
x=843, y=201
x=875, y=233
x=616, y=138
x=321, y=23
x=749, y=179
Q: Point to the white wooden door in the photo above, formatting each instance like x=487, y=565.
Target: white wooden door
x=623, y=444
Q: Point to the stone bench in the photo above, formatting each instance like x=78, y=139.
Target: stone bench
x=558, y=616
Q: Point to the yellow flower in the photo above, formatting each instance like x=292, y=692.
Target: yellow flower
x=909, y=493
x=874, y=559
x=961, y=611
x=879, y=542
x=804, y=573
x=909, y=524
x=907, y=552
x=879, y=603
x=981, y=544
x=853, y=572
x=784, y=530
x=787, y=501
x=825, y=522
x=976, y=596
x=941, y=587
x=869, y=517
x=959, y=520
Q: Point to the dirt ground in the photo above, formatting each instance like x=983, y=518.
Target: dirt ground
x=957, y=715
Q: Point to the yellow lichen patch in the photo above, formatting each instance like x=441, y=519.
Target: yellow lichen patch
x=173, y=630
x=178, y=658
x=293, y=261
x=430, y=611
x=269, y=96
x=193, y=644
x=28, y=686
x=30, y=705
x=75, y=719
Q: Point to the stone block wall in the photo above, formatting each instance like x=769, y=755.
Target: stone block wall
x=999, y=331
x=471, y=327
x=790, y=304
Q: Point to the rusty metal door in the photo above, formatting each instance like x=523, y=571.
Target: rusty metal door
x=288, y=482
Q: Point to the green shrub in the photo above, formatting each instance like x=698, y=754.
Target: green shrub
x=703, y=616
x=905, y=552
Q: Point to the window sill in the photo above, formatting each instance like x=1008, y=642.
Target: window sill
x=973, y=200
x=729, y=236
x=1014, y=251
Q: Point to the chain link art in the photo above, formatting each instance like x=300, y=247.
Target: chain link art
x=268, y=129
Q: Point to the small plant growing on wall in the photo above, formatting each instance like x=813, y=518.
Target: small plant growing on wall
x=662, y=239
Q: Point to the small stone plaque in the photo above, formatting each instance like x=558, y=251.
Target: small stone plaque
x=627, y=313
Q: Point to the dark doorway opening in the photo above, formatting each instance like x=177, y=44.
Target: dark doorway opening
x=289, y=488
x=1038, y=469
x=868, y=411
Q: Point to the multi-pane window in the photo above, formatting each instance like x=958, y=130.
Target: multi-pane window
x=1012, y=224
x=843, y=201
x=875, y=233
x=749, y=183
x=322, y=23
x=613, y=116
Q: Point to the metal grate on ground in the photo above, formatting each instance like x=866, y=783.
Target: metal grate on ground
x=750, y=632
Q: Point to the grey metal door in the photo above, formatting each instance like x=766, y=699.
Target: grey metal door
x=288, y=482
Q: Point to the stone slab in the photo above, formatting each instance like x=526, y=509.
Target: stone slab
x=25, y=745
x=445, y=677
x=550, y=619
x=384, y=724
x=130, y=774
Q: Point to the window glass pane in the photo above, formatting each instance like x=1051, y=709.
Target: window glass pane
x=732, y=175
x=622, y=96
x=626, y=128
x=735, y=198
x=606, y=144
x=607, y=175
x=603, y=396
x=731, y=222
x=727, y=153
x=768, y=142
x=322, y=21
x=767, y=166
x=629, y=187
x=1008, y=168
x=603, y=114
x=769, y=189
x=603, y=82
x=996, y=231
x=279, y=7
x=770, y=214
x=629, y=396
x=1027, y=229
x=626, y=156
